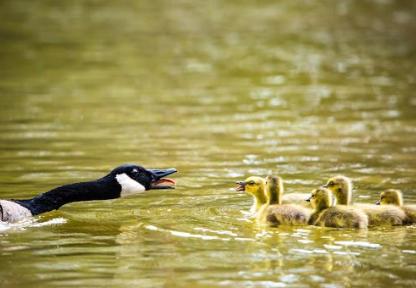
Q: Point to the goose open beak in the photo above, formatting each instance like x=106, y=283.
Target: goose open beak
x=158, y=180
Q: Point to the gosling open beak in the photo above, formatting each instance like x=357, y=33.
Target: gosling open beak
x=241, y=186
x=378, y=202
x=158, y=182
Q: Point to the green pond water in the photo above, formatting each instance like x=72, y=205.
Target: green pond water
x=221, y=90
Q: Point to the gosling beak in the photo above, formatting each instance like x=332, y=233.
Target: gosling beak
x=308, y=200
x=325, y=186
x=241, y=186
x=378, y=202
x=158, y=182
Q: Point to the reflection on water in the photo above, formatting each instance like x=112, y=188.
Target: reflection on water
x=220, y=91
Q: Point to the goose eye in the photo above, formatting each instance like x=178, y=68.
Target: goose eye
x=331, y=183
x=251, y=183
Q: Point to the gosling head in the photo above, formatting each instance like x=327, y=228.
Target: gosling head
x=274, y=189
x=321, y=198
x=253, y=186
x=391, y=196
x=341, y=186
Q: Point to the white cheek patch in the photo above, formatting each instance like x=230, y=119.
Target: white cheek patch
x=128, y=185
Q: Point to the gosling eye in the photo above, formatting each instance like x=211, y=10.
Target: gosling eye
x=250, y=183
x=331, y=183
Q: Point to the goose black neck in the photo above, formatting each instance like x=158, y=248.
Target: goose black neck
x=101, y=189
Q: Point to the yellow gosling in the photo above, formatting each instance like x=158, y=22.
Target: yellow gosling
x=395, y=197
x=341, y=186
x=326, y=214
x=275, y=213
x=254, y=186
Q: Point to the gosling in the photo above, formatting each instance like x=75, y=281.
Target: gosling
x=254, y=186
x=274, y=213
x=395, y=197
x=341, y=187
x=326, y=214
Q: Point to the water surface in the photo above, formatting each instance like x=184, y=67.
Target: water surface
x=219, y=90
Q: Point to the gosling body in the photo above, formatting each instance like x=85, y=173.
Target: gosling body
x=326, y=214
x=284, y=214
x=386, y=215
x=274, y=213
x=267, y=207
x=395, y=197
x=341, y=187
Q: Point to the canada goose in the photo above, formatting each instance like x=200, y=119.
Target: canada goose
x=123, y=181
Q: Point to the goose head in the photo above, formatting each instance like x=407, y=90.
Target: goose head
x=135, y=179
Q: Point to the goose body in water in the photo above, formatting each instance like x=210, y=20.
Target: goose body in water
x=123, y=181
